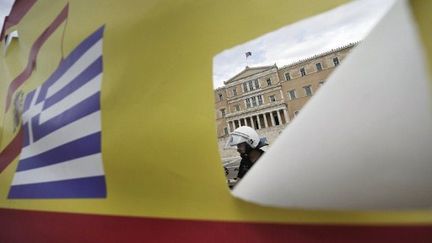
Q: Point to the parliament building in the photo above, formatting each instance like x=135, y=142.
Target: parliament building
x=267, y=98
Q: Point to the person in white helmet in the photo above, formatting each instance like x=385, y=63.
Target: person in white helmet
x=249, y=145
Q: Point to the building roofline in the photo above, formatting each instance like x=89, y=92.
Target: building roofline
x=349, y=45
x=321, y=54
x=247, y=68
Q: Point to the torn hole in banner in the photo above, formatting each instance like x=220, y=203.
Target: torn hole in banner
x=360, y=143
x=261, y=86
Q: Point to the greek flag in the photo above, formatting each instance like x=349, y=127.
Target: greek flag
x=61, y=155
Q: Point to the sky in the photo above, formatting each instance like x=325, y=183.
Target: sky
x=346, y=24
x=5, y=6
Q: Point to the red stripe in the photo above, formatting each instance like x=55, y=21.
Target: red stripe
x=11, y=151
x=33, y=226
x=31, y=63
x=18, y=11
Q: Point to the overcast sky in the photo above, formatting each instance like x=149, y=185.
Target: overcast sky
x=340, y=26
x=5, y=6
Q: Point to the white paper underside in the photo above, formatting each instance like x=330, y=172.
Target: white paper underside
x=364, y=141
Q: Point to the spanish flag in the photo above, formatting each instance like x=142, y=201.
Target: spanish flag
x=107, y=130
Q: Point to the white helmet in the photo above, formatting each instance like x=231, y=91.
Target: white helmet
x=244, y=134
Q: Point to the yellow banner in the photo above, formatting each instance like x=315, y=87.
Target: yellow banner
x=159, y=156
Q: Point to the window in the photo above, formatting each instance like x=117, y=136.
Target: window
x=268, y=82
x=308, y=90
x=220, y=97
x=234, y=92
x=254, y=101
x=287, y=76
x=225, y=130
x=251, y=85
x=237, y=108
x=292, y=94
x=222, y=111
x=260, y=101
x=256, y=83
x=318, y=66
x=248, y=104
x=272, y=98
x=336, y=61
x=303, y=72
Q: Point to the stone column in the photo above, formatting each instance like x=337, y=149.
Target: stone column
x=279, y=117
x=265, y=121
x=250, y=121
x=272, y=119
x=286, y=116
x=258, y=121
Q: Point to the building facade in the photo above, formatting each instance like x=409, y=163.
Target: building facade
x=267, y=98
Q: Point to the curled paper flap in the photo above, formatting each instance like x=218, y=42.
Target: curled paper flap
x=365, y=139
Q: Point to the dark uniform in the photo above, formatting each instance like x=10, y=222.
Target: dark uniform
x=246, y=164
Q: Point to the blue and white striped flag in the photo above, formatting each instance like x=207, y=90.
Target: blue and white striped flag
x=61, y=155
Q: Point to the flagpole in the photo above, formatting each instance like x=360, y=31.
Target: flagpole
x=247, y=54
